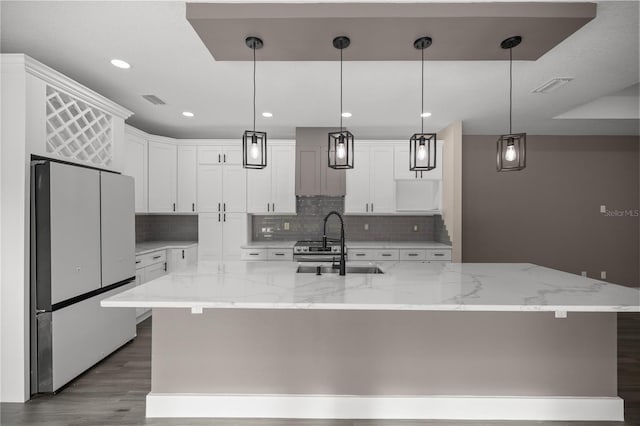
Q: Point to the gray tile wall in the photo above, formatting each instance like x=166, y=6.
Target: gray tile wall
x=307, y=224
x=166, y=228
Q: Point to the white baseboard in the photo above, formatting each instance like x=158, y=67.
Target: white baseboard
x=385, y=407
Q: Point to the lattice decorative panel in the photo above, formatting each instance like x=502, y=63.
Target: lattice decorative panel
x=76, y=130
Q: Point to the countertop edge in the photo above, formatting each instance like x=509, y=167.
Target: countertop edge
x=164, y=245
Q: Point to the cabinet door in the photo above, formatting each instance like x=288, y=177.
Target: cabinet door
x=176, y=259
x=140, y=279
x=232, y=154
x=209, y=188
x=308, y=173
x=332, y=181
x=437, y=172
x=234, y=189
x=383, y=185
x=210, y=236
x=234, y=235
x=191, y=255
x=401, y=163
x=154, y=271
x=162, y=177
x=283, y=197
x=135, y=165
x=187, y=178
x=357, y=199
x=259, y=189
x=210, y=155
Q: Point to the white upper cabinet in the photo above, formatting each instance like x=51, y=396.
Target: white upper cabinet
x=222, y=187
x=187, y=175
x=370, y=184
x=272, y=189
x=232, y=154
x=162, y=177
x=401, y=169
x=234, y=189
x=135, y=165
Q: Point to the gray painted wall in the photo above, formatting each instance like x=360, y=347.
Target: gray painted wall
x=307, y=224
x=549, y=213
x=309, y=351
x=166, y=228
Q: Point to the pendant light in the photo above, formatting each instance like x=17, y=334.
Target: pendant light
x=422, y=146
x=254, y=144
x=512, y=148
x=340, y=150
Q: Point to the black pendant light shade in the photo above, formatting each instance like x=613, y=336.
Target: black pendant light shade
x=340, y=150
x=254, y=144
x=512, y=147
x=422, y=146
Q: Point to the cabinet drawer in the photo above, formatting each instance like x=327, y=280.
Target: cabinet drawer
x=411, y=254
x=147, y=259
x=154, y=271
x=439, y=255
x=280, y=254
x=253, y=254
x=361, y=254
x=387, y=255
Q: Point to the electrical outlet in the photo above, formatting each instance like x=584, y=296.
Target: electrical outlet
x=603, y=275
x=286, y=226
x=603, y=209
x=366, y=226
x=583, y=273
x=415, y=228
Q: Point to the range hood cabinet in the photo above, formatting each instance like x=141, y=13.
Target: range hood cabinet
x=313, y=176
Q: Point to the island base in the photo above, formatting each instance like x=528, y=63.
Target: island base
x=384, y=365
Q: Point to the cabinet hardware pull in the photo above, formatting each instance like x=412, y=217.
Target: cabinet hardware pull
x=224, y=217
x=224, y=157
x=219, y=158
x=279, y=254
x=420, y=175
x=157, y=257
x=165, y=266
x=273, y=207
x=183, y=254
x=438, y=254
x=367, y=207
x=268, y=207
x=386, y=254
x=371, y=207
x=254, y=254
x=224, y=207
x=412, y=254
x=218, y=217
x=359, y=254
x=193, y=207
x=218, y=206
x=416, y=175
x=138, y=261
x=174, y=207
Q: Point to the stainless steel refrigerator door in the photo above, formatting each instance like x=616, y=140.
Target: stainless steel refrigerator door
x=75, y=231
x=118, y=228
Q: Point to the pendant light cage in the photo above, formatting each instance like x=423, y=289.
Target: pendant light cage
x=340, y=150
x=422, y=146
x=512, y=147
x=254, y=143
x=422, y=152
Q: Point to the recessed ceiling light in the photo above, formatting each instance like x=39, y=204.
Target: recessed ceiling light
x=188, y=114
x=267, y=114
x=346, y=114
x=119, y=63
x=425, y=114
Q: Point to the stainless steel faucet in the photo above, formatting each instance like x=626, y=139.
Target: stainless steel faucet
x=325, y=239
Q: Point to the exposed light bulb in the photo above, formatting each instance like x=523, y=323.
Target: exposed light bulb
x=422, y=152
x=510, y=155
x=255, y=151
x=341, y=152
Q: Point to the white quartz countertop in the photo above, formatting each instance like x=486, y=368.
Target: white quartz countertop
x=355, y=245
x=149, y=246
x=403, y=286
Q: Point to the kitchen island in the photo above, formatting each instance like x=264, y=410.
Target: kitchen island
x=421, y=341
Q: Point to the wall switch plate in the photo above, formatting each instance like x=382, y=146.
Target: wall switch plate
x=286, y=226
x=603, y=209
x=366, y=226
x=583, y=273
x=415, y=228
x=603, y=275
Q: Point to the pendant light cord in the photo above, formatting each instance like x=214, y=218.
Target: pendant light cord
x=510, y=87
x=341, y=90
x=422, y=95
x=254, y=89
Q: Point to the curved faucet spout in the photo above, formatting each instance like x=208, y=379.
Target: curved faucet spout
x=324, y=239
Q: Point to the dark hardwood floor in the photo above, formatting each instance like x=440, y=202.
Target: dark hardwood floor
x=113, y=393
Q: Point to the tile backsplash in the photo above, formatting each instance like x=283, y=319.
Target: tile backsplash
x=307, y=224
x=153, y=227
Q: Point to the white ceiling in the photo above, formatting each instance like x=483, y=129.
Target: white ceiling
x=169, y=60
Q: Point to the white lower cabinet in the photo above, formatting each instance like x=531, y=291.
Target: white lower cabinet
x=178, y=259
x=253, y=254
x=149, y=266
x=221, y=235
x=280, y=254
x=373, y=254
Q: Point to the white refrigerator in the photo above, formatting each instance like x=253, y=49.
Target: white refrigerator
x=82, y=251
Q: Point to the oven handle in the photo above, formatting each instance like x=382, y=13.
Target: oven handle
x=315, y=258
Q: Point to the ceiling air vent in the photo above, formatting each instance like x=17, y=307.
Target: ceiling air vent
x=154, y=99
x=552, y=85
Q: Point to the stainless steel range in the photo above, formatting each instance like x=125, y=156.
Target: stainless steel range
x=313, y=251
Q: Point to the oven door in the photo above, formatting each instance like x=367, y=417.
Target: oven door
x=324, y=257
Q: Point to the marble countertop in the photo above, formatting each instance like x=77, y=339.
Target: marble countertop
x=149, y=246
x=356, y=245
x=403, y=286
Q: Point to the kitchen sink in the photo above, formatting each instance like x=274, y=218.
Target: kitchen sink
x=319, y=270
